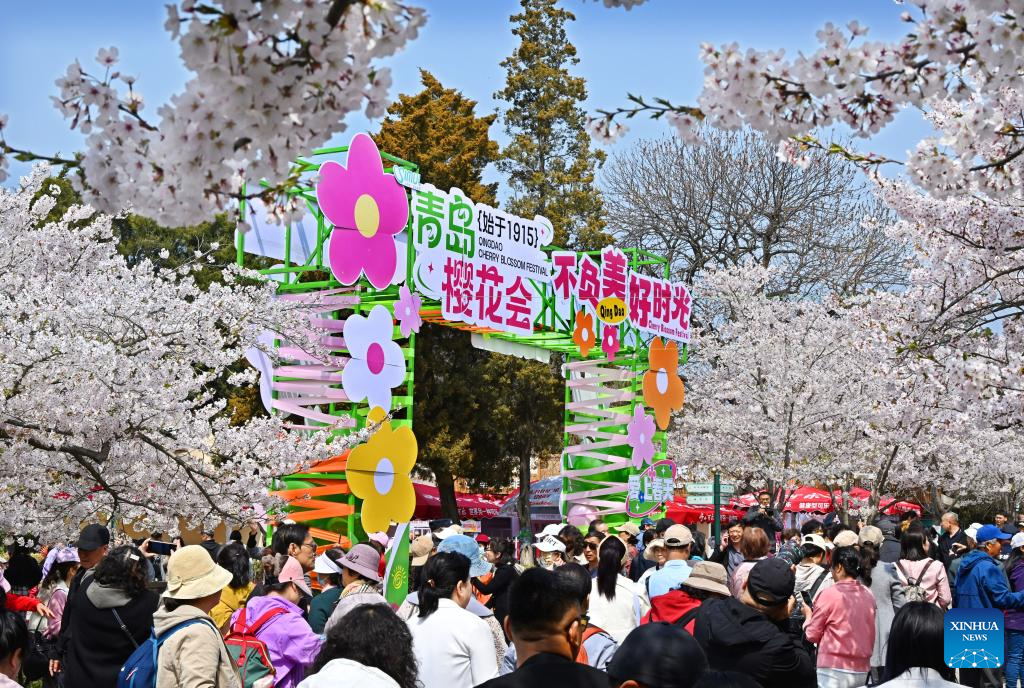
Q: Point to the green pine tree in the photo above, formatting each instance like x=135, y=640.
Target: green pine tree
x=549, y=160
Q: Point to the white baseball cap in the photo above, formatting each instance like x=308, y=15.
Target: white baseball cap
x=549, y=543
x=1017, y=540
x=446, y=533
x=552, y=529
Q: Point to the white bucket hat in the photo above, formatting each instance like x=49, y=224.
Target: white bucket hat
x=192, y=573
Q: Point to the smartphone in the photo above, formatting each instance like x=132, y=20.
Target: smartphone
x=157, y=547
x=806, y=596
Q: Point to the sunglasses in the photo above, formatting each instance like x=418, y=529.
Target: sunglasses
x=590, y=545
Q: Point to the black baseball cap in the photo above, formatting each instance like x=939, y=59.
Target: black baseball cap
x=663, y=524
x=439, y=523
x=658, y=655
x=771, y=582
x=93, y=536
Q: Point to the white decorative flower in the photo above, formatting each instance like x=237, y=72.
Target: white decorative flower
x=377, y=363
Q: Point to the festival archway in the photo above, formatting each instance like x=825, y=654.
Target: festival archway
x=376, y=253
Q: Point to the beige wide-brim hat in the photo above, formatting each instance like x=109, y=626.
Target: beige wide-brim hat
x=192, y=574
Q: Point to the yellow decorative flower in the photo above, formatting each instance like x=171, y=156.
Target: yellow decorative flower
x=378, y=473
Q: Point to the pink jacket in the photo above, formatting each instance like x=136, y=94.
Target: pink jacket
x=934, y=580
x=843, y=626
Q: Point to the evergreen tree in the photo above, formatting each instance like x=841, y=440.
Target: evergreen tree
x=549, y=161
x=438, y=130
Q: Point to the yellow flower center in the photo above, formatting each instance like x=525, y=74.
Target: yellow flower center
x=367, y=215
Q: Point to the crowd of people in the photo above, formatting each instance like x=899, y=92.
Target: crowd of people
x=647, y=605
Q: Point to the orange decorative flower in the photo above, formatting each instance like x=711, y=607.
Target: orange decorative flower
x=583, y=335
x=663, y=389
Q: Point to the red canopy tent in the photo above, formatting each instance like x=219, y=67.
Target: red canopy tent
x=803, y=498
x=806, y=498
x=681, y=512
x=471, y=506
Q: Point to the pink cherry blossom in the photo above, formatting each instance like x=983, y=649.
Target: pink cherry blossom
x=367, y=208
x=407, y=311
x=640, y=436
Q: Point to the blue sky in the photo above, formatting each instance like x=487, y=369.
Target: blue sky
x=650, y=50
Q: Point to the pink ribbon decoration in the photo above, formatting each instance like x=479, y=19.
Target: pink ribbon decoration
x=313, y=381
x=600, y=390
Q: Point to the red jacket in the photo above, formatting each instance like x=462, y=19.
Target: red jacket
x=671, y=607
x=20, y=603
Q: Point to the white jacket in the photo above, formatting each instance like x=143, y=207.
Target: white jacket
x=919, y=677
x=620, y=615
x=344, y=673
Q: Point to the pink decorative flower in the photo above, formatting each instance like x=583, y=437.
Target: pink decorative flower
x=407, y=310
x=610, y=341
x=640, y=436
x=367, y=208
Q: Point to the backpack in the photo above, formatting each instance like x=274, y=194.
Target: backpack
x=912, y=590
x=139, y=671
x=590, y=631
x=249, y=652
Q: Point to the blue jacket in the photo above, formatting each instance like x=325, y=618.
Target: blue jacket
x=981, y=583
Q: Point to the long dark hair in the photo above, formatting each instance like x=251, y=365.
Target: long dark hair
x=573, y=539
x=504, y=549
x=912, y=545
x=609, y=562
x=848, y=559
x=441, y=574
x=235, y=558
x=374, y=636
x=868, y=559
x=916, y=640
x=57, y=573
x=124, y=568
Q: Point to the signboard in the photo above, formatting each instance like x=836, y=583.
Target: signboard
x=655, y=306
x=700, y=499
x=709, y=488
x=478, y=261
x=488, y=269
x=647, y=491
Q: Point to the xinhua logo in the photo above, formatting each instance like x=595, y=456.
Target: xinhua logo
x=974, y=638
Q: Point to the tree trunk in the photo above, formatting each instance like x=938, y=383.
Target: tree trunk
x=523, y=507
x=446, y=489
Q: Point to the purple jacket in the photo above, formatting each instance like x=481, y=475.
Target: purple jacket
x=290, y=641
x=1015, y=617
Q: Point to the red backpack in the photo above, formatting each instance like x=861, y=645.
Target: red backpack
x=249, y=652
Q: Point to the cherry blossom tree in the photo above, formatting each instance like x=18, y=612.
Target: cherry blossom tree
x=106, y=406
x=272, y=81
x=786, y=392
x=774, y=386
x=948, y=348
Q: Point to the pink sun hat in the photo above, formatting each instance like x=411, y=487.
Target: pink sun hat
x=291, y=572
